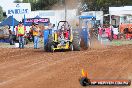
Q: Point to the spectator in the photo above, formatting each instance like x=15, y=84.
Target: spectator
x=36, y=34
x=50, y=26
x=100, y=30
x=31, y=31
x=20, y=32
x=111, y=29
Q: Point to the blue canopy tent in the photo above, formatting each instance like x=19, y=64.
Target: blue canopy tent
x=28, y=24
x=37, y=17
x=10, y=21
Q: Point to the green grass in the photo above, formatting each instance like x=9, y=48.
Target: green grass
x=120, y=42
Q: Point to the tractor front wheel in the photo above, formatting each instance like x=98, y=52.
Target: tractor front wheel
x=52, y=48
x=76, y=41
x=71, y=47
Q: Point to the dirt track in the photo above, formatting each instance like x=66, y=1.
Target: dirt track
x=29, y=68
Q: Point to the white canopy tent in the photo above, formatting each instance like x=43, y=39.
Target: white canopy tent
x=120, y=11
x=126, y=10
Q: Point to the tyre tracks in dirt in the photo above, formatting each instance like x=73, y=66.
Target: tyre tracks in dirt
x=72, y=58
x=34, y=70
x=26, y=64
x=62, y=69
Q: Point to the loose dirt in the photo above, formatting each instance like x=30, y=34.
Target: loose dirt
x=29, y=68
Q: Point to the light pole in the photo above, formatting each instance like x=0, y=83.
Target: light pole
x=65, y=10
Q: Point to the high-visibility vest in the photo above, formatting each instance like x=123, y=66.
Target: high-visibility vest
x=36, y=33
x=21, y=30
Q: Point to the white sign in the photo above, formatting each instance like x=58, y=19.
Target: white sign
x=18, y=8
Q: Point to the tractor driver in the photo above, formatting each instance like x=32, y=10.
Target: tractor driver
x=61, y=37
x=66, y=34
x=65, y=31
x=61, y=32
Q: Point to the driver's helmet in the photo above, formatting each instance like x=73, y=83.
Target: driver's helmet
x=62, y=27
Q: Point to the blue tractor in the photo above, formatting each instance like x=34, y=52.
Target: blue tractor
x=85, y=31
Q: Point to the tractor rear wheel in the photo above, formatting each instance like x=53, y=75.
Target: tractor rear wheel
x=76, y=41
x=46, y=47
x=52, y=48
x=49, y=44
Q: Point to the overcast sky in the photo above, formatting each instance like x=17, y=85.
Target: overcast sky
x=4, y=3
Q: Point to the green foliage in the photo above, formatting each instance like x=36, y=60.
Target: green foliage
x=1, y=14
x=105, y=4
x=41, y=4
x=91, y=4
x=17, y=1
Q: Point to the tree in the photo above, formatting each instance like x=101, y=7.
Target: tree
x=46, y=4
x=41, y=4
x=104, y=5
x=97, y=5
x=1, y=14
x=17, y=1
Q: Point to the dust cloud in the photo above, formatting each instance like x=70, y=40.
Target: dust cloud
x=70, y=4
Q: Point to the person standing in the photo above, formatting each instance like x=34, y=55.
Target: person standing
x=20, y=32
x=36, y=34
x=31, y=31
x=111, y=32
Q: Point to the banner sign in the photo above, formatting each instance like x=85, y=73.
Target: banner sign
x=18, y=8
x=37, y=20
